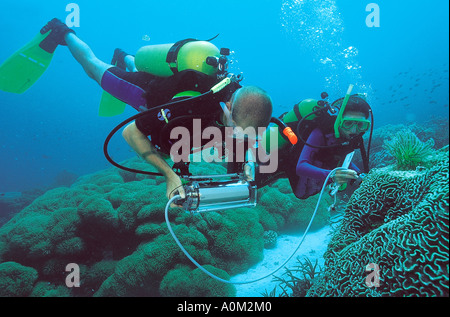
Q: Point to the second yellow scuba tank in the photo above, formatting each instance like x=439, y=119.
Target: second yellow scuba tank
x=300, y=111
x=166, y=59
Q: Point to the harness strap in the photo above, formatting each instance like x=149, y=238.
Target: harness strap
x=172, y=55
x=297, y=112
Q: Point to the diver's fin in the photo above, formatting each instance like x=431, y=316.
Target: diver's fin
x=26, y=66
x=110, y=106
x=20, y=71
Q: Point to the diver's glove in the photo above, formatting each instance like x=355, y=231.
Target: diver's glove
x=56, y=37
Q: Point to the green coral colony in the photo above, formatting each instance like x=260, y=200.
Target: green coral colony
x=112, y=224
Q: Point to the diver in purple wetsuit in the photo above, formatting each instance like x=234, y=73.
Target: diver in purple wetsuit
x=324, y=152
x=325, y=135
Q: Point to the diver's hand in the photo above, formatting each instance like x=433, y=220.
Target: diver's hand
x=344, y=176
x=174, y=187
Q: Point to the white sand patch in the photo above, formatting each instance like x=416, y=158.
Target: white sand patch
x=313, y=247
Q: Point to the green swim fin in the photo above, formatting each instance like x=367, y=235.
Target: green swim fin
x=20, y=71
x=110, y=106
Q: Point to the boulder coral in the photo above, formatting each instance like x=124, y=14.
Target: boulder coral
x=111, y=223
x=185, y=282
x=16, y=279
x=394, y=238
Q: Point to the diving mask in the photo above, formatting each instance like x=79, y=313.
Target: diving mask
x=362, y=125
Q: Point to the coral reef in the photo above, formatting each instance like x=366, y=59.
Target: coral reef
x=12, y=203
x=281, y=211
x=111, y=223
x=436, y=129
x=64, y=179
x=396, y=223
x=16, y=279
x=185, y=282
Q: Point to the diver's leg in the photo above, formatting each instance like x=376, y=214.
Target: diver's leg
x=94, y=67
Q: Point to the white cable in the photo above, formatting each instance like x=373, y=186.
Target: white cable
x=331, y=174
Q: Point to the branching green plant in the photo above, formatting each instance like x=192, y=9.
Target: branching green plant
x=408, y=150
x=273, y=293
x=297, y=281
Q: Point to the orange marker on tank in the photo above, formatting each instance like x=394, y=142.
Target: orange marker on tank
x=290, y=135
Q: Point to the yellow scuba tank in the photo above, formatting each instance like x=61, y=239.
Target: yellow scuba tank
x=164, y=60
x=300, y=111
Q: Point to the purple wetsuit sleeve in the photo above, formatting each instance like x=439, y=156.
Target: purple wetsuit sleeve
x=305, y=167
x=123, y=90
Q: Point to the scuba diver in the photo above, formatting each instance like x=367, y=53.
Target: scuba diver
x=172, y=85
x=327, y=134
x=320, y=154
x=157, y=75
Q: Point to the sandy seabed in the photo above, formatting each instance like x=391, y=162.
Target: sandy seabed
x=313, y=247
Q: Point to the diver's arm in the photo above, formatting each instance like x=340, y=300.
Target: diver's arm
x=144, y=148
x=305, y=166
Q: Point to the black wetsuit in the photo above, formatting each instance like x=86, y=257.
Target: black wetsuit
x=144, y=91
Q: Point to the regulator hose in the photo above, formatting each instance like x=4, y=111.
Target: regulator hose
x=331, y=174
x=123, y=123
x=218, y=87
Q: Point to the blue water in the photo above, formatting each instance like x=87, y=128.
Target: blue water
x=54, y=126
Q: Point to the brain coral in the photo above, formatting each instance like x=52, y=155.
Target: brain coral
x=400, y=222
